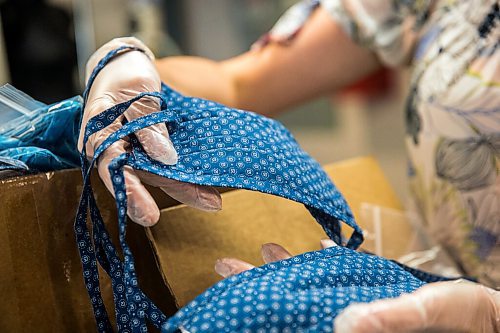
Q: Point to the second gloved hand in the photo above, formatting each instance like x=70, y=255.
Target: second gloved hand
x=456, y=306
x=126, y=76
x=453, y=306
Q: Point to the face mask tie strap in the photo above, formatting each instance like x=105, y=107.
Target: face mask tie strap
x=93, y=253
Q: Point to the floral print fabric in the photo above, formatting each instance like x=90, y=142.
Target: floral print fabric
x=452, y=112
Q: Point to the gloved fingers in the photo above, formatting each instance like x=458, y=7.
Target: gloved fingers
x=154, y=139
x=120, y=81
x=197, y=196
x=200, y=197
x=395, y=315
x=272, y=252
x=326, y=243
x=443, y=306
x=96, y=139
x=141, y=207
x=156, y=142
x=227, y=267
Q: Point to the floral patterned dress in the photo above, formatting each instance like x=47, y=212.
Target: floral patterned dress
x=452, y=112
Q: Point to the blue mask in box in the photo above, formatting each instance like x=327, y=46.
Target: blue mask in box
x=221, y=146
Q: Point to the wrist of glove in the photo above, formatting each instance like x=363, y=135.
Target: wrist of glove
x=126, y=76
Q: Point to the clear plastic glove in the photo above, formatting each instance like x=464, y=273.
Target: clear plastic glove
x=271, y=252
x=123, y=78
x=455, y=306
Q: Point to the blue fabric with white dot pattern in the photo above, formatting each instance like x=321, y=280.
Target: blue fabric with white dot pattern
x=220, y=146
x=303, y=293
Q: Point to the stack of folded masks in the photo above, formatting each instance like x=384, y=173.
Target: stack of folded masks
x=36, y=137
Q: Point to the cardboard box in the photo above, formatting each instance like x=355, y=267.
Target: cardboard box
x=40, y=272
x=187, y=242
x=41, y=279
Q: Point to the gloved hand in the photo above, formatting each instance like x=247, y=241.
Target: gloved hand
x=127, y=75
x=455, y=306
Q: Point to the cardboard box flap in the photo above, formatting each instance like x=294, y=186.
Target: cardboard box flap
x=187, y=241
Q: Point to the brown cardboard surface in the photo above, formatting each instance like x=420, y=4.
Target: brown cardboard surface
x=362, y=180
x=188, y=241
x=41, y=279
x=40, y=273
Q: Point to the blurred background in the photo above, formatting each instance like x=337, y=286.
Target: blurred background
x=44, y=45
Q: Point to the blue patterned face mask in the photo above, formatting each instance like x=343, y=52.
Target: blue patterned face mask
x=220, y=146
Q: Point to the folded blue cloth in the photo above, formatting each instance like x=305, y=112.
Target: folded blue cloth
x=8, y=163
x=226, y=147
x=45, y=139
x=301, y=294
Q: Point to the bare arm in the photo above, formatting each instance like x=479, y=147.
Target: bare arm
x=321, y=59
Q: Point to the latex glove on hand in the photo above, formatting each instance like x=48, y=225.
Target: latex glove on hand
x=455, y=306
x=127, y=75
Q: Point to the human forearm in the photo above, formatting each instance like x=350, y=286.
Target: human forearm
x=321, y=59
x=196, y=76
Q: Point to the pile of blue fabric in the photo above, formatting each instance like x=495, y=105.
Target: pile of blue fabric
x=35, y=137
